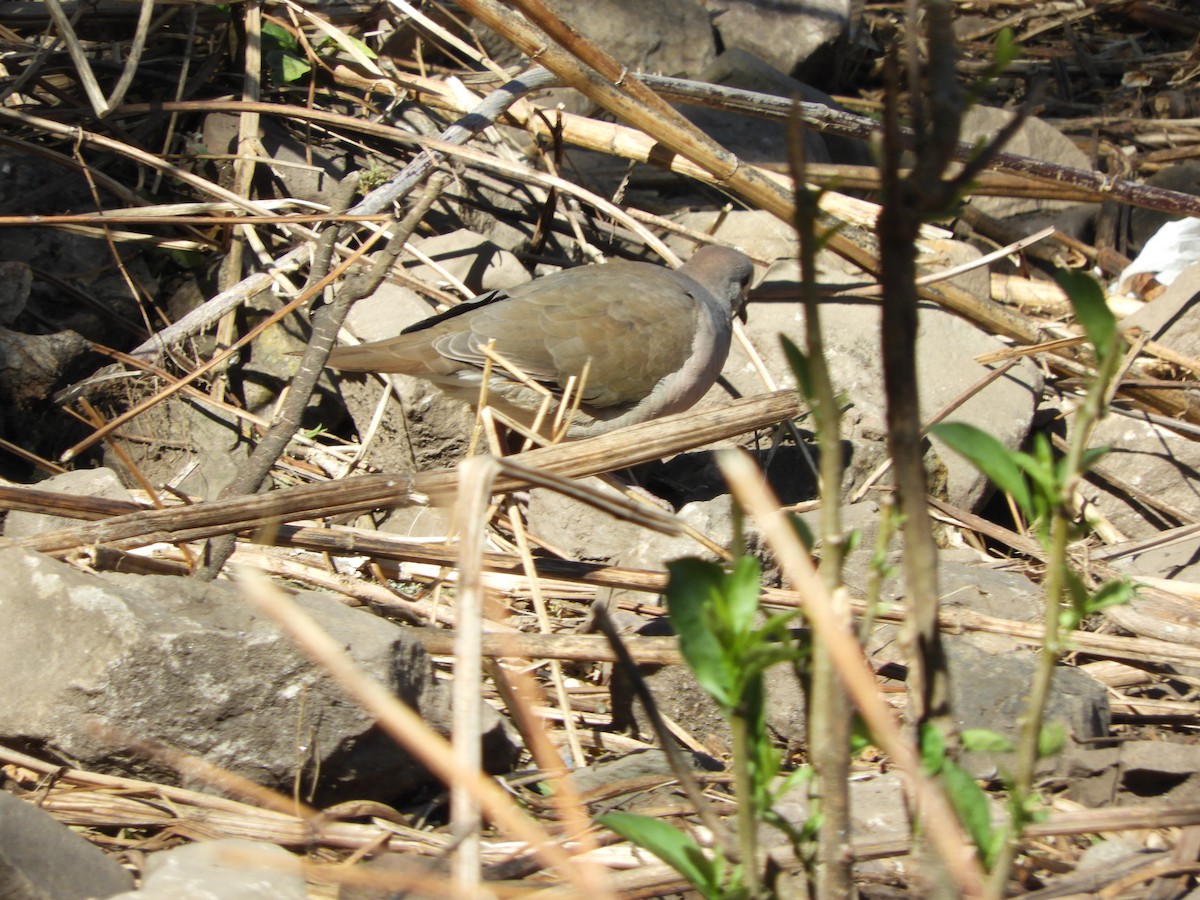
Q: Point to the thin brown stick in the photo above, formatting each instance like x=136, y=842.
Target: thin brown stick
x=475, y=478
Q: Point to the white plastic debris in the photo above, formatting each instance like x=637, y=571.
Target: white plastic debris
x=1173, y=248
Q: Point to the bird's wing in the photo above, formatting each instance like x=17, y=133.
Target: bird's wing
x=554, y=328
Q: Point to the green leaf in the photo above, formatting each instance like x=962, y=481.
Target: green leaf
x=776, y=629
x=292, y=68
x=1040, y=467
x=1111, y=593
x=860, y=736
x=760, y=656
x=1051, y=739
x=741, y=589
x=280, y=35
x=988, y=455
x=992, y=852
x=807, y=538
x=798, y=361
x=693, y=593
x=933, y=748
x=767, y=764
x=670, y=845
x=1091, y=309
x=853, y=541
x=360, y=46
x=1077, y=591
x=1074, y=612
x=186, y=259
x=983, y=740
x=971, y=804
x=792, y=780
x=1004, y=49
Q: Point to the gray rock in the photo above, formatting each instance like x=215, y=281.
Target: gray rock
x=31, y=367
x=669, y=37
x=947, y=347
x=101, y=483
x=680, y=697
x=590, y=534
x=192, y=665
x=860, y=525
x=878, y=811
x=1104, y=856
x=419, y=522
x=41, y=859
x=304, y=166
x=1152, y=459
x=785, y=33
x=990, y=674
x=267, y=367
x=963, y=585
x=470, y=257
x=196, y=449
x=421, y=428
x=752, y=231
x=227, y=869
x=1144, y=223
x=1133, y=771
x=386, y=312
x=579, y=530
x=941, y=254
x=304, y=169
x=1178, y=561
x=1034, y=138
x=877, y=806
x=991, y=691
x=761, y=140
x=1003, y=594
x=946, y=351
x=630, y=767
x=16, y=281
x=1107, y=862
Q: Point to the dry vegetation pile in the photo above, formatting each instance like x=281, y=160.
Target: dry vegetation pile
x=195, y=152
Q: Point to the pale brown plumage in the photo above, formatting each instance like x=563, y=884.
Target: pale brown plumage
x=652, y=340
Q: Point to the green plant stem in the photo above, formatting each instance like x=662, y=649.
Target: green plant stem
x=743, y=785
x=1031, y=726
x=879, y=569
x=1086, y=417
x=829, y=710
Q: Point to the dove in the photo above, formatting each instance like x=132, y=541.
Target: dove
x=641, y=340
